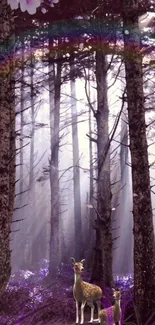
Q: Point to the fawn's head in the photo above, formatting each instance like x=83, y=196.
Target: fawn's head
x=116, y=294
x=77, y=266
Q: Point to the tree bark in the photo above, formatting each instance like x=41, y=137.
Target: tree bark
x=144, y=269
x=7, y=140
x=76, y=171
x=102, y=268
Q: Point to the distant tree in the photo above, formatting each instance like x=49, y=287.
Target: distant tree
x=7, y=140
x=76, y=170
x=90, y=235
x=31, y=244
x=144, y=268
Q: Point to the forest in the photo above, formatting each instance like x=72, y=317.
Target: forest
x=77, y=162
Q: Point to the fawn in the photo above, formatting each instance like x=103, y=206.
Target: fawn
x=112, y=314
x=85, y=292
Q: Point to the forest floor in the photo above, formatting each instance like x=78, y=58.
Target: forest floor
x=31, y=298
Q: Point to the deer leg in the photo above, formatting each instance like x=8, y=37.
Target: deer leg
x=82, y=311
x=77, y=312
x=91, y=305
x=98, y=302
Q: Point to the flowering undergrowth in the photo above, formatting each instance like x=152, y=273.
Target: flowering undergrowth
x=31, y=298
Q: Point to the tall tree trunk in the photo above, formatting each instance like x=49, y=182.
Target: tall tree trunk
x=76, y=170
x=7, y=141
x=54, y=93
x=144, y=269
x=33, y=235
x=21, y=125
x=126, y=253
x=91, y=185
x=102, y=268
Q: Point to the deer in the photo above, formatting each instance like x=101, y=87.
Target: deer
x=112, y=313
x=85, y=293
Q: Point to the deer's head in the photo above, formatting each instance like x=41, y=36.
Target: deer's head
x=116, y=294
x=77, y=266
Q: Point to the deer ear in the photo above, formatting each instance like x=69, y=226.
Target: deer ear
x=82, y=261
x=73, y=260
x=113, y=290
